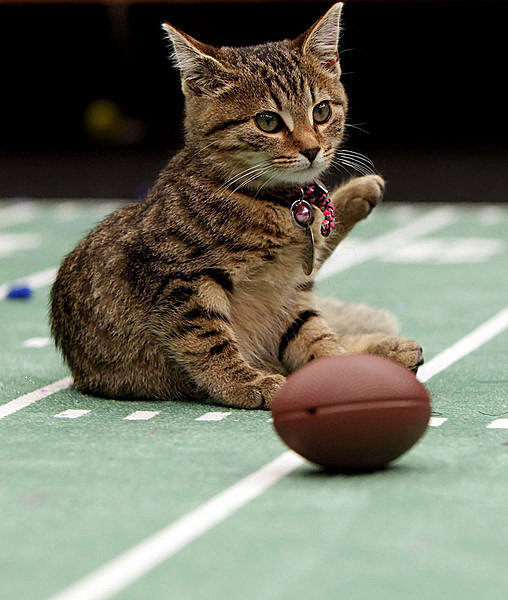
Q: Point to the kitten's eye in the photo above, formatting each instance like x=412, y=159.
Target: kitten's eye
x=322, y=112
x=269, y=122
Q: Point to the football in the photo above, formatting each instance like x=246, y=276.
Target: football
x=355, y=412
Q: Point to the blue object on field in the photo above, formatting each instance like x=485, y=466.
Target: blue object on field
x=19, y=292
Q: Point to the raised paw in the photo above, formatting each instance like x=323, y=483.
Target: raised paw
x=357, y=198
x=406, y=352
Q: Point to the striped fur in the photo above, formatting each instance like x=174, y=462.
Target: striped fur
x=198, y=291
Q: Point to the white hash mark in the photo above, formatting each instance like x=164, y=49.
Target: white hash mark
x=37, y=342
x=141, y=415
x=71, y=413
x=498, y=424
x=213, y=416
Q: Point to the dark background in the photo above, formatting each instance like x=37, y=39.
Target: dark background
x=425, y=81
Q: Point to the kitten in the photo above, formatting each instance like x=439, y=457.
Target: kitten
x=199, y=292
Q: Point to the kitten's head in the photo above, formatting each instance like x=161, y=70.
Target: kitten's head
x=269, y=115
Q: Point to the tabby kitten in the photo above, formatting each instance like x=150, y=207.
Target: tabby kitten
x=199, y=291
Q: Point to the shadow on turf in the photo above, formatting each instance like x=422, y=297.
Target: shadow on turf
x=310, y=472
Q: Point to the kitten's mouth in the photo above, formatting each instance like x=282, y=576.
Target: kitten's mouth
x=268, y=175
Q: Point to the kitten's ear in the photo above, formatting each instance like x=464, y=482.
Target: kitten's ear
x=322, y=39
x=202, y=73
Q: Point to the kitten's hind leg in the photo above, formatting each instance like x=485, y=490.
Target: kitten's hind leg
x=347, y=318
x=365, y=329
x=406, y=352
x=308, y=335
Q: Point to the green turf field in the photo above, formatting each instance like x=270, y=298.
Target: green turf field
x=84, y=488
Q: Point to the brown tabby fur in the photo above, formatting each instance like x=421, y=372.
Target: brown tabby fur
x=198, y=291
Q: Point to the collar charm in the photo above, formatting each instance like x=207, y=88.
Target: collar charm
x=317, y=195
x=304, y=198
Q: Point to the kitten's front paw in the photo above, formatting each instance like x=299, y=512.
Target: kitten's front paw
x=406, y=352
x=259, y=394
x=356, y=200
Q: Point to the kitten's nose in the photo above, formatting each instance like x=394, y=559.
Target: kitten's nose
x=310, y=153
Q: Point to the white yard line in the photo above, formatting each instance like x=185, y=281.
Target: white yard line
x=137, y=561
x=71, y=208
x=427, y=223
x=18, y=212
x=33, y=281
x=492, y=214
x=402, y=213
x=134, y=563
x=343, y=258
x=26, y=211
x=27, y=399
x=10, y=243
x=464, y=346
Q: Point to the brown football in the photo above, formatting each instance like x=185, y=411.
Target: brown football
x=352, y=412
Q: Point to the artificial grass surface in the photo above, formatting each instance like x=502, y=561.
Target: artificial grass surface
x=77, y=492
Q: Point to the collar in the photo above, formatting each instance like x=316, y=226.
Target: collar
x=302, y=199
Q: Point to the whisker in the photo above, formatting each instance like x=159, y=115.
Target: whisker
x=240, y=180
x=202, y=149
x=339, y=165
x=357, y=157
x=251, y=178
x=356, y=127
x=356, y=166
x=359, y=154
x=271, y=178
x=240, y=175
